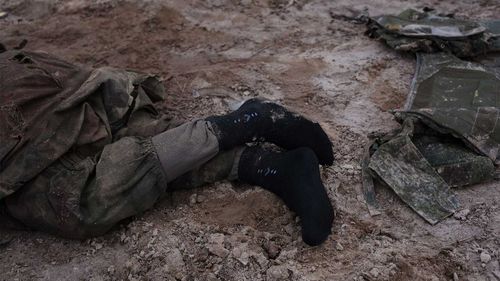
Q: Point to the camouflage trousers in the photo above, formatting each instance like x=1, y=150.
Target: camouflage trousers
x=81, y=197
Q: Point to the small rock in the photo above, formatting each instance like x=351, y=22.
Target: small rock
x=200, y=83
x=455, y=276
x=173, y=262
x=339, y=247
x=485, y=257
x=434, y=278
x=215, y=245
x=261, y=260
x=202, y=255
x=289, y=229
x=244, y=258
x=240, y=253
x=277, y=272
x=192, y=199
x=393, y=269
x=210, y=277
x=271, y=249
x=150, y=254
x=462, y=215
x=374, y=272
x=288, y=254
x=3, y=14
x=124, y=238
x=133, y=265
x=347, y=166
x=111, y=269
x=200, y=198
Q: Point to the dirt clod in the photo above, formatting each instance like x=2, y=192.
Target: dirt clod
x=485, y=257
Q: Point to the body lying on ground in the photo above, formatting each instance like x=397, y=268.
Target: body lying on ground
x=82, y=149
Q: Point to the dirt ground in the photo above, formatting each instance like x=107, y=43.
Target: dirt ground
x=301, y=54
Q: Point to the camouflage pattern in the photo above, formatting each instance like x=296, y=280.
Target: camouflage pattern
x=79, y=197
x=430, y=32
x=402, y=167
x=76, y=155
x=368, y=187
x=49, y=107
x=460, y=98
x=450, y=135
x=455, y=163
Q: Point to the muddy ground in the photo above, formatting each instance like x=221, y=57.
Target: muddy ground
x=298, y=53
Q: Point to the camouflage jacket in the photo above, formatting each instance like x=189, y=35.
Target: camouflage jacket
x=49, y=107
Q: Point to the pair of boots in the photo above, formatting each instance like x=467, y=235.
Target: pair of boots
x=293, y=175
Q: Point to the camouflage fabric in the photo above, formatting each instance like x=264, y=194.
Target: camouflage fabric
x=453, y=161
x=401, y=166
x=77, y=155
x=458, y=97
x=49, y=107
x=80, y=198
x=450, y=135
x=430, y=32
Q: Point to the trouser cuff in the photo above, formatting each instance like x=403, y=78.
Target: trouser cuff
x=185, y=147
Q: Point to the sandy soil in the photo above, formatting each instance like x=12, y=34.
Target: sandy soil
x=211, y=53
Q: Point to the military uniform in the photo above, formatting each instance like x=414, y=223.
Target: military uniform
x=82, y=148
x=450, y=133
x=429, y=32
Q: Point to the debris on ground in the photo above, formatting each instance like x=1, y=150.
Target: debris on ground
x=450, y=132
x=429, y=31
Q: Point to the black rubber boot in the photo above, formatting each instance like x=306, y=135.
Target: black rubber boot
x=293, y=176
x=258, y=120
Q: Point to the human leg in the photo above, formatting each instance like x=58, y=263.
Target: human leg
x=78, y=197
x=258, y=120
x=292, y=175
x=224, y=166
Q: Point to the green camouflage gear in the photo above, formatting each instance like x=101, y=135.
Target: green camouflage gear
x=49, y=107
x=77, y=155
x=460, y=98
x=402, y=167
x=430, y=32
x=455, y=163
x=450, y=135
